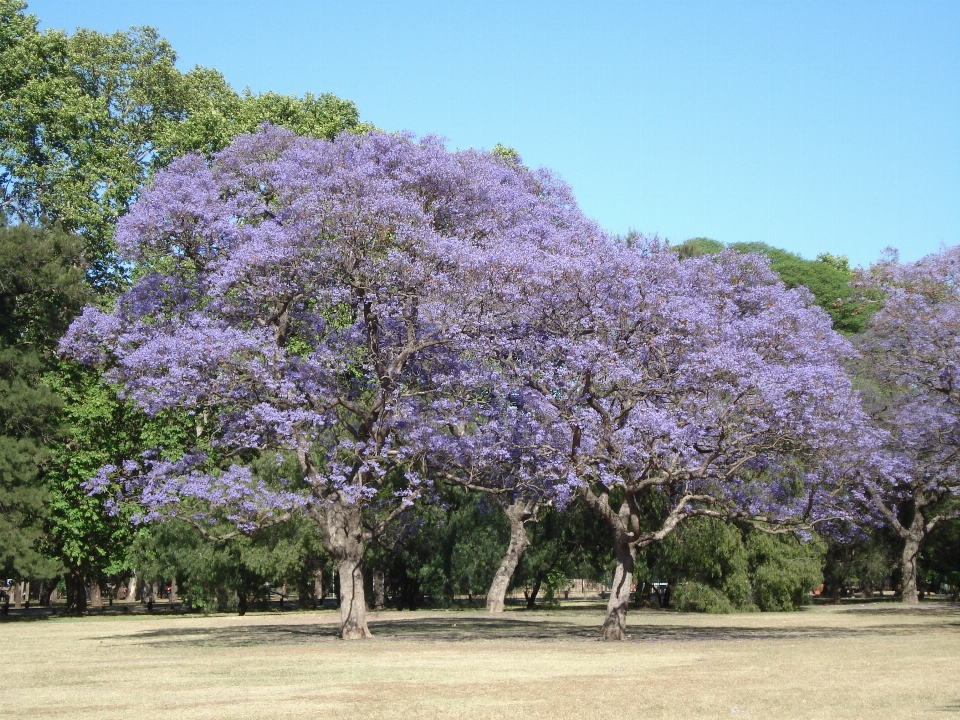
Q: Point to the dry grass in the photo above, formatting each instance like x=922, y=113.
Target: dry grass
x=871, y=661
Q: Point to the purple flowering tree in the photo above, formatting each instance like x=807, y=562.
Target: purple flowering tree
x=701, y=386
x=912, y=352
x=307, y=298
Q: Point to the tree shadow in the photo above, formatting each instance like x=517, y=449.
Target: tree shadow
x=515, y=627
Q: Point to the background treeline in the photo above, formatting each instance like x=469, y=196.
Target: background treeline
x=85, y=120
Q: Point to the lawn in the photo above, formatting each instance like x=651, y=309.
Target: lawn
x=867, y=661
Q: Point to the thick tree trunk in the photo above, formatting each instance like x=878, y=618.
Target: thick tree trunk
x=911, y=548
x=76, y=592
x=615, y=624
x=517, y=513
x=17, y=590
x=96, y=597
x=174, y=597
x=343, y=538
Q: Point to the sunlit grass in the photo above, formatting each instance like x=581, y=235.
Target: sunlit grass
x=860, y=662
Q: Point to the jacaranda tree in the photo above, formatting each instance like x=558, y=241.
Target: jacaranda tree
x=307, y=298
x=700, y=387
x=912, y=352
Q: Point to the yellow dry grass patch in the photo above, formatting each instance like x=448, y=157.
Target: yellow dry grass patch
x=849, y=662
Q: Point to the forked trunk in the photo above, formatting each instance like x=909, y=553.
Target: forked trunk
x=615, y=624
x=343, y=538
x=516, y=512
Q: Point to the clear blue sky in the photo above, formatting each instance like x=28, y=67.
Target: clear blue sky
x=814, y=126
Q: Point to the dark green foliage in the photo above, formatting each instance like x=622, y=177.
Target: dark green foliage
x=232, y=573
x=783, y=570
x=41, y=289
x=570, y=544
x=940, y=558
x=708, y=553
x=865, y=564
x=442, y=551
x=692, y=596
x=713, y=566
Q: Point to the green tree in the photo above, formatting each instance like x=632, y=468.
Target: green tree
x=41, y=289
x=86, y=118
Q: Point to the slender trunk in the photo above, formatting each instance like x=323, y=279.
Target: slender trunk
x=319, y=593
x=911, y=548
x=641, y=598
x=379, y=597
x=532, y=597
x=517, y=512
x=615, y=624
x=132, y=588
x=343, y=538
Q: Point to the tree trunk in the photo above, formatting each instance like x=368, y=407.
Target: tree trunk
x=532, y=597
x=641, y=597
x=76, y=592
x=615, y=624
x=319, y=593
x=17, y=595
x=353, y=604
x=343, y=538
x=96, y=597
x=132, y=588
x=516, y=512
x=911, y=548
x=379, y=597
x=174, y=597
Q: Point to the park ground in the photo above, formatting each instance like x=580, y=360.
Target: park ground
x=865, y=661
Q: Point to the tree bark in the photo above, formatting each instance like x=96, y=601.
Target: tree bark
x=911, y=549
x=379, y=597
x=615, y=624
x=76, y=592
x=319, y=592
x=17, y=595
x=532, y=596
x=343, y=537
x=96, y=597
x=517, y=512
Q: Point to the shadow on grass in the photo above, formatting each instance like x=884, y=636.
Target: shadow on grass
x=455, y=628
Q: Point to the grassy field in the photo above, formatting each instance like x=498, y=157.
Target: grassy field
x=867, y=661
